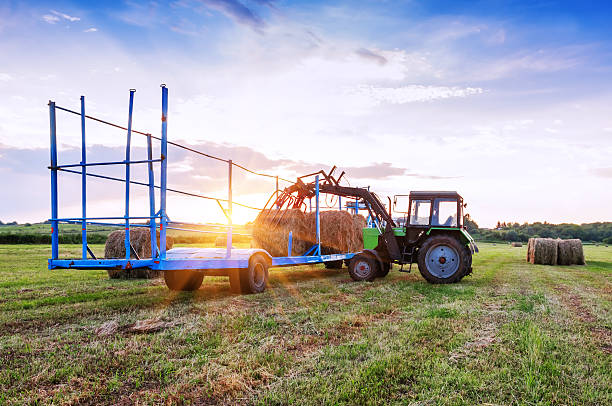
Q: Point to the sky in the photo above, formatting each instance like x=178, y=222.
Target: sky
x=507, y=102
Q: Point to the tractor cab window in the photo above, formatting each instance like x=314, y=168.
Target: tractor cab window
x=444, y=213
x=419, y=212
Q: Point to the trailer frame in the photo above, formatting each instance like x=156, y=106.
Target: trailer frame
x=207, y=260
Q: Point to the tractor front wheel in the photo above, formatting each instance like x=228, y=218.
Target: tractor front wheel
x=384, y=270
x=363, y=268
x=443, y=259
x=183, y=280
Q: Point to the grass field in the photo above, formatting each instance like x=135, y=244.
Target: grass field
x=513, y=333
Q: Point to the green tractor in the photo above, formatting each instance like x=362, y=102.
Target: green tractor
x=433, y=236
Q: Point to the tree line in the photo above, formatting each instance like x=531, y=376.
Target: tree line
x=508, y=231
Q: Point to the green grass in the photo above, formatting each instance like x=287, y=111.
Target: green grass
x=512, y=333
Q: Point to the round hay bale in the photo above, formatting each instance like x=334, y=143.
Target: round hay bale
x=271, y=232
x=545, y=251
x=338, y=231
x=530, y=245
x=516, y=244
x=359, y=223
x=570, y=252
x=140, y=238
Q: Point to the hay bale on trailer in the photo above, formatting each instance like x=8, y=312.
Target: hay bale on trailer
x=140, y=238
x=359, y=223
x=570, y=252
x=271, y=232
x=338, y=231
x=341, y=232
x=544, y=251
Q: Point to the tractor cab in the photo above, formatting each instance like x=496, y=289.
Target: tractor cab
x=435, y=209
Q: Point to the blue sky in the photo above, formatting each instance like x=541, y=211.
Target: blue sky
x=507, y=102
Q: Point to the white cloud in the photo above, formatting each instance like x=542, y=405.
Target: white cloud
x=92, y=29
x=65, y=16
x=51, y=19
x=413, y=93
x=5, y=77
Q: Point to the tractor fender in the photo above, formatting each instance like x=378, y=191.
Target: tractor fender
x=375, y=255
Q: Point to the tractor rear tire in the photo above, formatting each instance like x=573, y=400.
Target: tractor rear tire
x=333, y=264
x=183, y=280
x=251, y=280
x=443, y=259
x=363, y=268
x=384, y=270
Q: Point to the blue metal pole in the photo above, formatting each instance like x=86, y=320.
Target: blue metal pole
x=164, y=180
x=54, y=208
x=127, y=176
x=356, y=205
x=277, y=206
x=152, y=221
x=318, y=221
x=339, y=202
x=229, y=217
x=83, y=181
x=290, y=244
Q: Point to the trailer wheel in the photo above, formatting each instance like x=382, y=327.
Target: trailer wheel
x=443, y=259
x=183, y=280
x=251, y=280
x=384, y=270
x=363, y=268
x=333, y=264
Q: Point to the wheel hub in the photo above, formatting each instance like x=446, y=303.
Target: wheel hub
x=442, y=261
x=362, y=269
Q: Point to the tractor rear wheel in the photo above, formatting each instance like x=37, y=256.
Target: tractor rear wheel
x=363, y=268
x=443, y=259
x=183, y=280
x=251, y=280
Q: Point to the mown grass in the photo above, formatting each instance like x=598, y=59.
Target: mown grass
x=512, y=333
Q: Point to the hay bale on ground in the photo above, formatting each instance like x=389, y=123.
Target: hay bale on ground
x=271, y=232
x=140, y=238
x=570, y=252
x=516, y=244
x=530, y=244
x=544, y=251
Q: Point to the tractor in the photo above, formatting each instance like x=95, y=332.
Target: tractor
x=432, y=235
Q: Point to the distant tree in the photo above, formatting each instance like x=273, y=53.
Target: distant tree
x=470, y=224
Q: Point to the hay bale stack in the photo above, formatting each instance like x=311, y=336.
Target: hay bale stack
x=338, y=231
x=341, y=232
x=530, y=244
x=544, y=251
x=359, y=223
x=271, y=232
x=140, y=238
x=516, y=244
x=570, y=252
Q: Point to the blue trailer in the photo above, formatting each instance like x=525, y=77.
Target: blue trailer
x=184, y=268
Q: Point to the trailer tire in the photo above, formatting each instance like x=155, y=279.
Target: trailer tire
x=183, y=280
x=363, y=268
x=254, y=279
x=442, y=259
